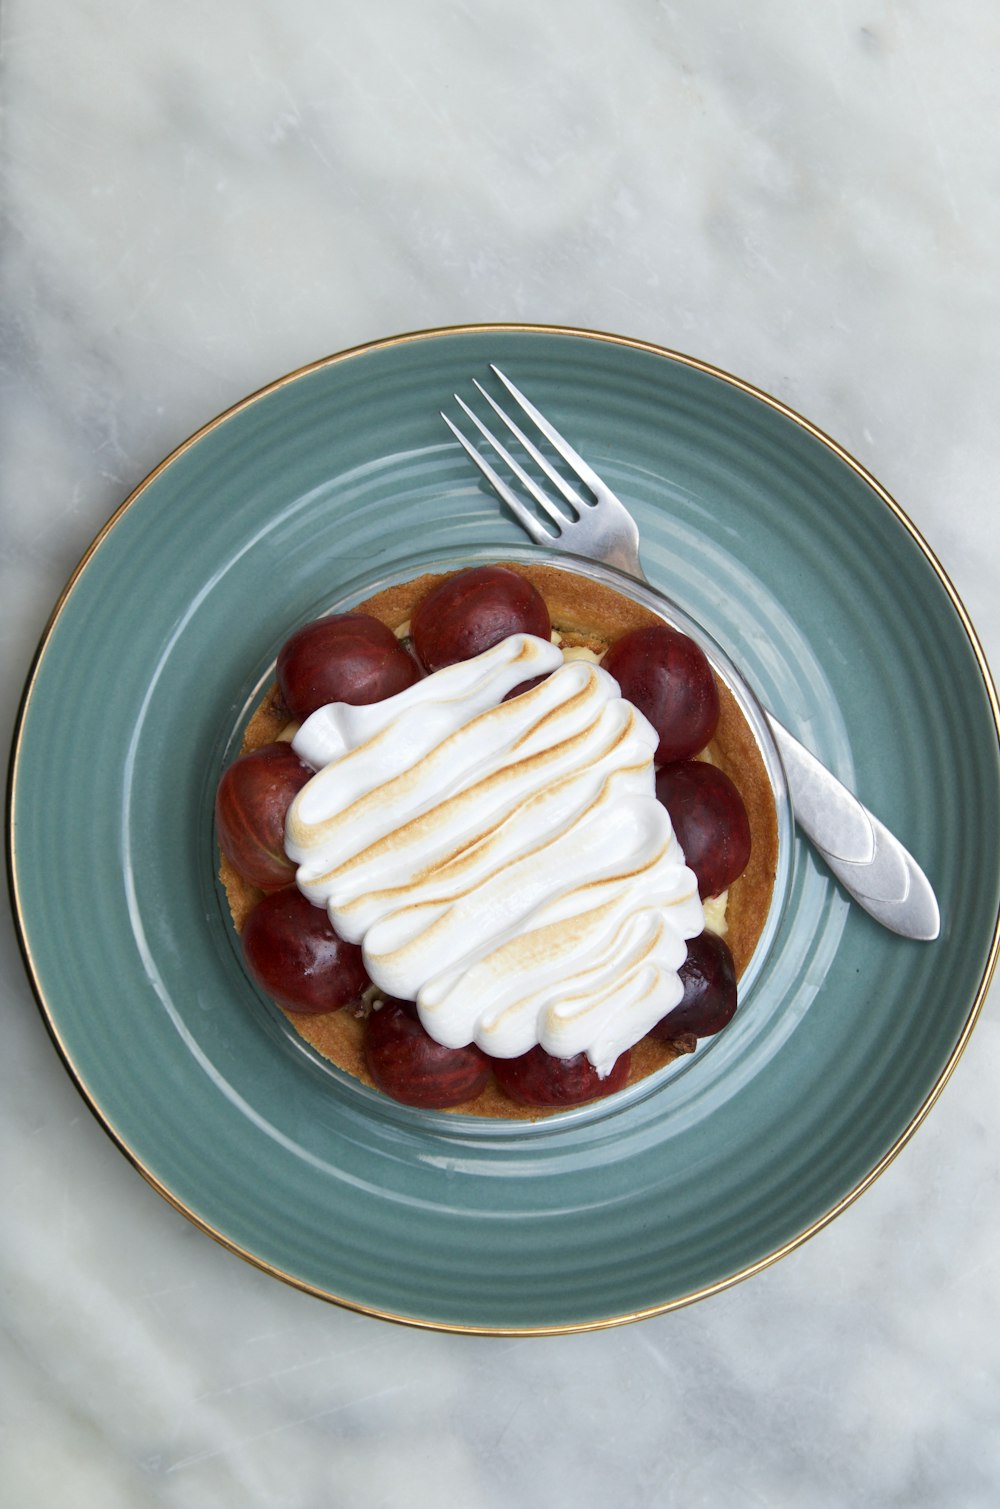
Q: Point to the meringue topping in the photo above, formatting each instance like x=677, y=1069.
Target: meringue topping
x=506, y=865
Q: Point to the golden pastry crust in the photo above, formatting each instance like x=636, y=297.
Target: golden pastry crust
x=591, y=614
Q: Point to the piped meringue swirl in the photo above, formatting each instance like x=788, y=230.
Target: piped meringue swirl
x=506, y=865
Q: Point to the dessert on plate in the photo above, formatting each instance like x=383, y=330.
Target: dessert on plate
x=498, y=840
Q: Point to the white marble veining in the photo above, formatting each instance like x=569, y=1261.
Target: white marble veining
x=200, y=197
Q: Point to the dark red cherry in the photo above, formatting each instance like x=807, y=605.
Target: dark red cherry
x=709, y=1001
x=296, y=957
x=405, y=1061
x=349, y=657
x=469, y=612
x=709, y=819
x=538, y=1078
x=668, y=678
x=251, y=803
x=524, y=686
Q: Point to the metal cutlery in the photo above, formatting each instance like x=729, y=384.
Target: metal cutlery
x=871, y=864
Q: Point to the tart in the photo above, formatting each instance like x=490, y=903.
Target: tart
x=587, y=618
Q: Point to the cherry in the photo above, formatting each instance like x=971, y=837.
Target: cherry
x=525, y=686
x=469, y=612
x=710, y=822
x=251, y=801
x=295, y=956
x=538, y=1078
x=668, y=678
x=406, y=1062
x=348, y=657
x=708, y=975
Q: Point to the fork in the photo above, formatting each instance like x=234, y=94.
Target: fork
x=871, y=864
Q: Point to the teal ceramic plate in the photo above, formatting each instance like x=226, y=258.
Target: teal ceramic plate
x=809, y=576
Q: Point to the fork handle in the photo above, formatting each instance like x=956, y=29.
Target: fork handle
x=869, y=861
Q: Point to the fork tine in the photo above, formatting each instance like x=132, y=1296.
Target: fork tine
x=528, y=483
x=524, y=516
x=542, y=462
x=573, y=458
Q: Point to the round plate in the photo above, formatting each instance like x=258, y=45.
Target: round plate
x=811, y=578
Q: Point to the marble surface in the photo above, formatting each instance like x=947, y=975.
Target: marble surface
x=202, y=197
